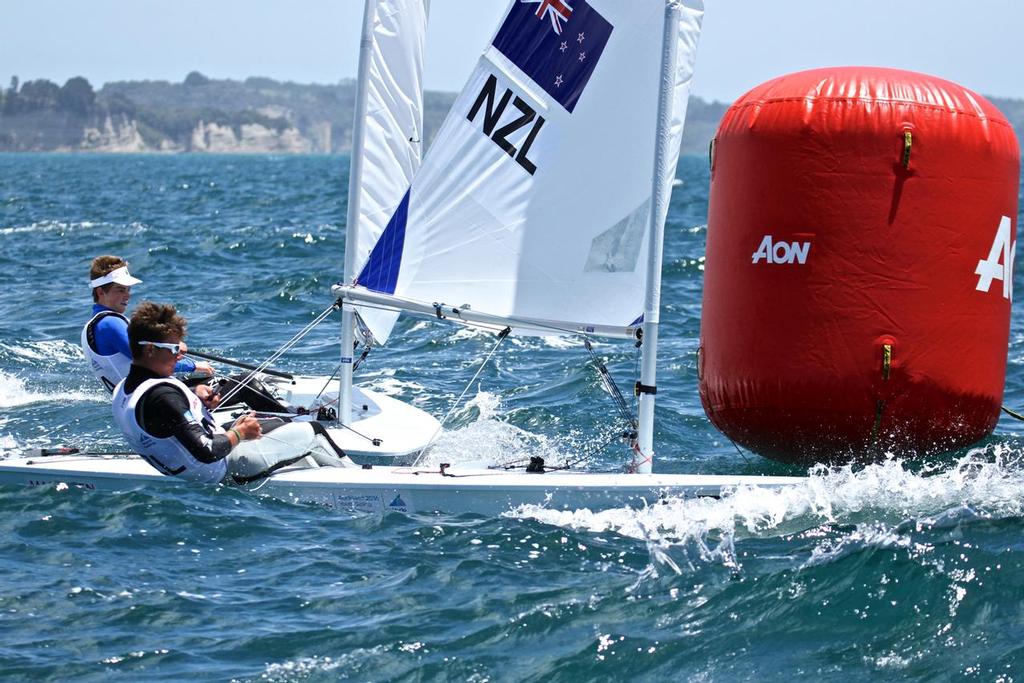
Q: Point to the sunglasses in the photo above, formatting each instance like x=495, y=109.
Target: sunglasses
x=173, y=348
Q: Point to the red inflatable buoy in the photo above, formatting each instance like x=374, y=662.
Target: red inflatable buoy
x=858, y=277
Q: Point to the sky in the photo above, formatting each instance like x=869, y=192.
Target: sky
x=744, y=43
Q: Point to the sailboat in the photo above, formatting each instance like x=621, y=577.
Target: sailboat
x=539, y=210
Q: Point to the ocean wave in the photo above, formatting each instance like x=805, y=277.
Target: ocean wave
x=390, y=386
x=48, y=351
x=14, y=393
x=50, y=226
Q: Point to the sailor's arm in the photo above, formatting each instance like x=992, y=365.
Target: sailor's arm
x=246, y=428
x=111, y=334
x=166, y=413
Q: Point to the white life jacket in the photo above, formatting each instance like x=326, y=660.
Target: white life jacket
x=168, y=455
x=108, y=369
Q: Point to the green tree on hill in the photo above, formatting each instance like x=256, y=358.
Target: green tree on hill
x=195, y=78
x=77, y=96
x=37, y=95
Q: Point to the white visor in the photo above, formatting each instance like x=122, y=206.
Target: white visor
x=120, y=276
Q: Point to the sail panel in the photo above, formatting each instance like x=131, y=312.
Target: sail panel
x=530, y=204
x=393, y=129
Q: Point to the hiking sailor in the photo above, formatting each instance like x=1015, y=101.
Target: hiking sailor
x=171, y=427
x=105, y=336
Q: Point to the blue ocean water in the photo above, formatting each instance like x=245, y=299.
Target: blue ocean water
x=903, y=570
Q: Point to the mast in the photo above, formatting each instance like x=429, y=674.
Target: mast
x=660, y=193
x=355, y=176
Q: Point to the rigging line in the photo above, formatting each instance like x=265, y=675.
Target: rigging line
x=372, y=439
x=329, y=380
x=1013, y=413
x=280, y=352
x=501, y=337
x=359, y=361
x=737, y=447
x=610, y=385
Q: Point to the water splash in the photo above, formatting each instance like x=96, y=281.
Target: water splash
x=487, y=440
x=14, y=393
x=877, y=501
x=46, y=352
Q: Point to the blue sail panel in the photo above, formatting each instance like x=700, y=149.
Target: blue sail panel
x=381, y=270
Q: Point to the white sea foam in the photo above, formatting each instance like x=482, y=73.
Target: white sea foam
x=8, y=446
x=561, y=342
x=395, y=387
x=49, y=351
x=14, y=393
x=878, y=500
x=315, y=667
x=487, y=440
x=48, y=226
x=464, y=333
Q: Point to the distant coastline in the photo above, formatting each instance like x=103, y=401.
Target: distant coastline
x=257, y=115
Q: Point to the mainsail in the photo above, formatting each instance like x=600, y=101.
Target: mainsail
x=534, y=202
x=389, y=131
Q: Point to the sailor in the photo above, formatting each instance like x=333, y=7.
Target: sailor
x=105, y=336
x=171, y=426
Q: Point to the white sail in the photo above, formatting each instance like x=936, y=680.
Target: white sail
x=392, y=127
x=534, y=201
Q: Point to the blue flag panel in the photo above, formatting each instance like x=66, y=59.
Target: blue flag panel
x=557, y=43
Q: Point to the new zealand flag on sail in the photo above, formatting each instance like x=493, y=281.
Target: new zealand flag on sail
x=557, y=43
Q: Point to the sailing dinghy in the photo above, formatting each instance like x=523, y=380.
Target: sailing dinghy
x=539, y=210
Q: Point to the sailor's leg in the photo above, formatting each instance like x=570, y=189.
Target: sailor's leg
x=329, y=454
x=287, y=445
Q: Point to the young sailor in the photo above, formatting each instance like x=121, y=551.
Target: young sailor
x=171, y=426
x=105, y=336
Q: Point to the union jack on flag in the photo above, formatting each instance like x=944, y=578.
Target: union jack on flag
x=558, y=10
x=544, y=55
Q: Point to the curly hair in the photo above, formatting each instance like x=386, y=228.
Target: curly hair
x=154, y=322
x=101, y=265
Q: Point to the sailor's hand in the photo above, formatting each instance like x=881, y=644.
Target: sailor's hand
x=204, y=369
x=249, y=427
x=209, y=397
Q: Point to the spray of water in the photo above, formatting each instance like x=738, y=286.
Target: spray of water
x=878, y=502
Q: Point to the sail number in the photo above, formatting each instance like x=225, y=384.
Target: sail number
x=499, y=134
x=999, y=264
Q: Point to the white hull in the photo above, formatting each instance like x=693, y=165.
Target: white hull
x=403, y=430
x=403, y=489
